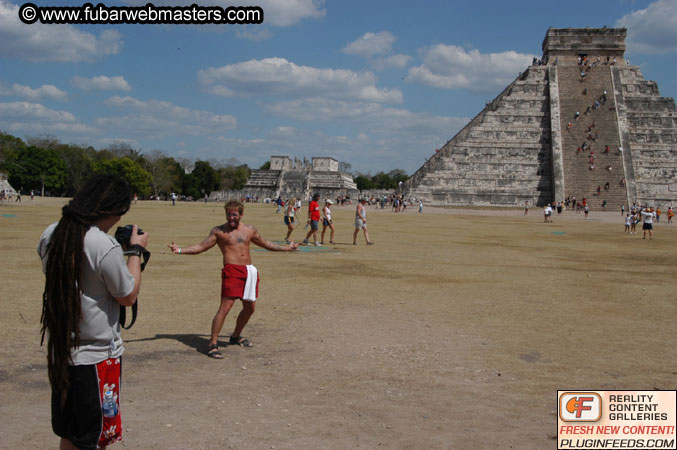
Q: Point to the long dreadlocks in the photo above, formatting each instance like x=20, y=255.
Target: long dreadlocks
x=101, y=196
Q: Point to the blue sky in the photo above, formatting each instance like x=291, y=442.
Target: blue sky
x=377, y=84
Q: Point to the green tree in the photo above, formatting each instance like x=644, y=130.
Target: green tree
x=124, y=150
x=364, y=182
x=233, y=178
x=10, y=147
x=206, y=178
x=265, y=166
x=398, y=175
x=43, y=141
x=190, y=186
x=166, y=172
x=78, y=162
x=37, y=168
x=382, y=181
x=138, y=178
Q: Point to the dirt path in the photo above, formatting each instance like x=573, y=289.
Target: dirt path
x=454, y=331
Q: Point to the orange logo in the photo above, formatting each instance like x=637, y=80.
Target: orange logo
x=580, y=407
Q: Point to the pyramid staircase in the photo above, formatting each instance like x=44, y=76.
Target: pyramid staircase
x=593, y=126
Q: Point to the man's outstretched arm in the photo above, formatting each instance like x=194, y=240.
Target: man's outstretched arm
x=272, y=246
x=206, y=244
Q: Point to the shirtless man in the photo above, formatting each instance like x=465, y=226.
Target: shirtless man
x=240, y=280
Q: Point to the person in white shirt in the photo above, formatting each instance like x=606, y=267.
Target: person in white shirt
x=647, y=217
x=327, y=222
x=547, y=214
x=628, y=221
x=87, y=280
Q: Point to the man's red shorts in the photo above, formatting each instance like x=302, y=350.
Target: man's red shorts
x=233, y=279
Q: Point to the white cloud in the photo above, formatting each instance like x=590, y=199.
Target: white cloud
x=157, y=119
x=277, y=76
x=44, y=92
x=51, y=43
x=395, y=61
x=34, y=118
x=377, y=49
x=652, y=30
x=380, y=137
x=373, y=117
x=452, y=67
x=371, y=44
x=284, y=13
x=101, y=83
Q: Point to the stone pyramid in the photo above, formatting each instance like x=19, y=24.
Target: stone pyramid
x=581, y=122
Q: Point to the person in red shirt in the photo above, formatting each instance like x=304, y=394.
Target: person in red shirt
x=313, y=219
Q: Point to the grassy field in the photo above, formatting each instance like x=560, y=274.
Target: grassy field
x=454, y=331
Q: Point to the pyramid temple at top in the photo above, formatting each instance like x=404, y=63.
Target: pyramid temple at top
x=581, y=122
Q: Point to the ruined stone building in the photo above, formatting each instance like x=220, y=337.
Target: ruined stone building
x=301, y=179
x=5, y=186
x=545, y=137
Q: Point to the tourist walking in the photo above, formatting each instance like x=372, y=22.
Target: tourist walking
x=361, y=222
x=289, y=218
x=313, y=219
x=327, y=222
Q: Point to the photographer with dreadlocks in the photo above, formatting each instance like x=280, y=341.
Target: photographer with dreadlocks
x=87, y=279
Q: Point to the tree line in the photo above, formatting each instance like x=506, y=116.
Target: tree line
x=45, y=165
x=381, y=180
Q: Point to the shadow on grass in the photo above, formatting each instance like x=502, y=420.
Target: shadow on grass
x=198, y=342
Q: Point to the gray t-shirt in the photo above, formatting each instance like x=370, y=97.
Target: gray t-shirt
x=104, y=276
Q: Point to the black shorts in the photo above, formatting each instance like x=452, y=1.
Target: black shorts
x=647, y=226
x=81, y=420
x=325, y=222
x=288, y=220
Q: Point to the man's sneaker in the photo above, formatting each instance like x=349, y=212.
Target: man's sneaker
x=370, y=243
x=317, y=244
x=305, y=242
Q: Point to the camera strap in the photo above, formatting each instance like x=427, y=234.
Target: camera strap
x=140, y=251
x=123, y=315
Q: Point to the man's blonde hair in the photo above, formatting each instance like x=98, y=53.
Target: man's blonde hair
x=234, y=203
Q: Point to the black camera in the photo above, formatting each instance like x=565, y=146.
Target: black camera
x=124, y=234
